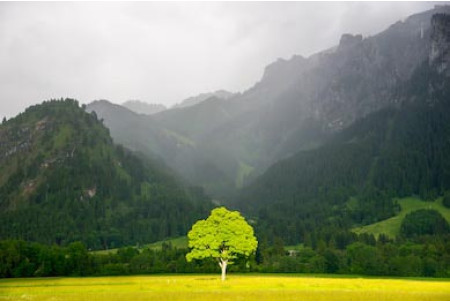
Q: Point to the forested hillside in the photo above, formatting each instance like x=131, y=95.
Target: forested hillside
x=64, y=180
x=344, y=156
x=396, y=152
x=223, y=144
x=175, y=142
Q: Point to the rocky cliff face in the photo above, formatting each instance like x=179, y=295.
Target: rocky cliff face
x=355, y=78
x=349, y=40
x=328, y=91
x=440, y=43
x=299, y=102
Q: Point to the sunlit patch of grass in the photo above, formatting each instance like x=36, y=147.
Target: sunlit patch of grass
x=237, y=287
x=180, y=242
x=391, y=226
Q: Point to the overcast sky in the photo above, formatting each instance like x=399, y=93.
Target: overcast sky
x=161, y=52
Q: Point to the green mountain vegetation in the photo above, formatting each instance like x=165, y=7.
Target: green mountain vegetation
x=64, y=180
x=297, y=105
x=391, y=227
x=362, y=255
x=424, y=222
x=178, y=242
x=175, y=143
x=343, y=156
x=396, y=152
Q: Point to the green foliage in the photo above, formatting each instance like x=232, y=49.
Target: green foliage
x=63, y=180
x=446, y=200
x=180, y=242
x=176, y=142
x=364, y=255
x=419, y=256
x=364, y=259
x=424, y=222
x=354, y=178
x=223, y=235
x=391, y=226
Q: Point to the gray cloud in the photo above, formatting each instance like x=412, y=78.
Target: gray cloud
x=163, y=52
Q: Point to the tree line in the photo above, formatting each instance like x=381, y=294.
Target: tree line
x=345, y=253
x=355, y=178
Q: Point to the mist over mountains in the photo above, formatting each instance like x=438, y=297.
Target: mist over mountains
x=63, y=180
x=222, y=144
x=143, y=107
x=319, y=146
x=221, y=94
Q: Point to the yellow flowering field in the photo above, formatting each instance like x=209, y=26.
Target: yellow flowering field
x=237, y=287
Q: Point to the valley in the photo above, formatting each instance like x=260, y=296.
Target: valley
x=338, y=161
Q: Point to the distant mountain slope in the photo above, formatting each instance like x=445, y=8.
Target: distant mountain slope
x=135, y=131
x=399, y=151
x=300, y=101
x=64, y=180
x=175, y=146
x=220, y=94
x=140, y=107
x=298, y=104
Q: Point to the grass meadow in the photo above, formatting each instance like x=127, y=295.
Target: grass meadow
x=237, y=287
x=391, y=226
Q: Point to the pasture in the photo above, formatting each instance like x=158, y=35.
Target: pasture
x=391, y=226
x=237, y=287
x=180, y=242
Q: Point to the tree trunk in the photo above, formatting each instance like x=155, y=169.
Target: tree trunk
x=223, y=265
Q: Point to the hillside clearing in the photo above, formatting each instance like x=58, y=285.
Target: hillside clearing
x=180, y=242
x=391, y=226
x=237, y=287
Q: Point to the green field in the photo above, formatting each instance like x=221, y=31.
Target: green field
x=237, y=287
x=180, y=242
x=391, y=226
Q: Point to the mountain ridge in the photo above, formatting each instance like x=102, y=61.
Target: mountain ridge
x=220, y=94
x=396, y=152
x=64, y=180
x=140, y=107
x=297, y=104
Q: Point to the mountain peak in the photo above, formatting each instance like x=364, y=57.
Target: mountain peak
x=349, y=40
x=221, y=94
x=62, y=177
x=141, y=107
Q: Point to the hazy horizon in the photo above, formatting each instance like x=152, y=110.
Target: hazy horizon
x=160, y=52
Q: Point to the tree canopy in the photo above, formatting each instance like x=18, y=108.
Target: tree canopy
x=64, y=180
x=424, y=222
x=224, y=235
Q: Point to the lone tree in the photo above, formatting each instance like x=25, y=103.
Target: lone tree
x=224, y=235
